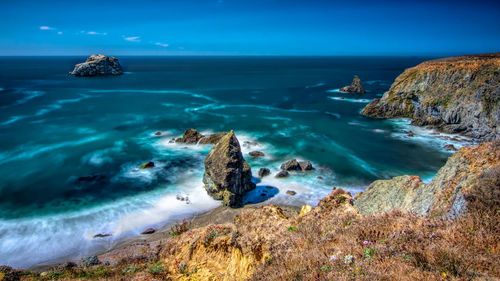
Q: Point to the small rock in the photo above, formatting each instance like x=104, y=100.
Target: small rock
x=101, y=235
x=282, y=174
x=212, y=139
x=149, y=231
x=158, y=133
x=190, y=136
x=256, y=154
x=148, y=165
x=410, y=134
x=264, y=172
x=305, y=165
x=90, y=261
x=291, y=192
x=291, y=165
x=450, y=147
x=320, y=178
x=355, y=87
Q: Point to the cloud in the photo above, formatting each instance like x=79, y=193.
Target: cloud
x=94, y=33
x=60, y=32
x=44, y=27
x=133, y=38
x=161, y=44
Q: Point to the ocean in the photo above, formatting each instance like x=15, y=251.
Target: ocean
x=70, y=147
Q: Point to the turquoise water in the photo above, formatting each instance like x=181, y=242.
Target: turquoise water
x=56, y=128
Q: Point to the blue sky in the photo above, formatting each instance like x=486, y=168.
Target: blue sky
x=244, y=27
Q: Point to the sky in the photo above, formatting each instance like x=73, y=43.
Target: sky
x=248, y=27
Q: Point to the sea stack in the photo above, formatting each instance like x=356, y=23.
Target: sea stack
x=355, y=87
x=227, y=175
x=454, y=95
x=98, y=65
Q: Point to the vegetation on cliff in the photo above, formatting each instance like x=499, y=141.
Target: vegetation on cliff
x=455, y=95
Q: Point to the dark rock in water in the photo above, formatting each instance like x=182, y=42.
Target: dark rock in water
x=305, y=165
x=158, y=133
x=91, y=261
x=183, y=198
x=191, y=136
x=212, y=139
x=227, y=175
x=291, y=192
x=292, y=165
x=410, y=134
x=149, y=231
x=355, y=87
x=450, y=147
x=92, y=178
x=256, y=154
x=264, y=172
x=320, y=178
x=148, y=165
x=282, y=174
x=97, y=65
x=101, y=235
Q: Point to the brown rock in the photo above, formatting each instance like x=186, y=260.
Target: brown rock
x=282, y=174
x=149, y=231
x=148, y=165
x=212, y=139
x=256, y=154
x=190, y=136
x=292, y=165
x=264, y=172
x=291, y=192
x=355, y=87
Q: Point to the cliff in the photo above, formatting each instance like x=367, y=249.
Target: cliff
x=454, y=95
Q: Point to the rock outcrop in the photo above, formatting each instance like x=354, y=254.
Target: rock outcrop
x=444, y=196
x=294, y=165
x=192, y=136
x=454, y=95
x=355, y=87
x=98, y=65
x=227, y=175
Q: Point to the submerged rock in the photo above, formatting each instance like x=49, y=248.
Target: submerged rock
x=264, y=172
x=355, y=87
x=227, y=175
x=97, y=65
x=256, y=154
x=148, y=165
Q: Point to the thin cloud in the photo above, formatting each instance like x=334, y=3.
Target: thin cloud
x=95, y=33
x=161, y=44
x=132, y=38
x=60, y=32
x=44, y=27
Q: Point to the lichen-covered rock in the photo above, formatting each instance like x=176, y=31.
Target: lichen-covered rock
x=291, y=165
x=212, y=139
x=227, y=175
x=454, y=95
x=443, y=196
x=97, y=65
x=355, y=87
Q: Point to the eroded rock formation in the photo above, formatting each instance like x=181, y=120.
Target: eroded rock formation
x=98, y=65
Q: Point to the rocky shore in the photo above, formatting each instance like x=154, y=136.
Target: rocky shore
x=454, y=95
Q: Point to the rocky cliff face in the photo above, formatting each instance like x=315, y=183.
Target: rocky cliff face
x=227, y=175
x=455, y=95
x=444, y=196
x=97, y=65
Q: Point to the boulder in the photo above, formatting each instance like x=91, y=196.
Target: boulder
x=282, y=174
x=148, y=165
x=98, y=65
x=264, y=172
x=305, y=165
x=227, y=175
x=355, y=87
x=450, y=147
x=190, y=136
x=256, y=154
x=291, y=192
x=213, y=138
x=158, y=133
x=292, y=165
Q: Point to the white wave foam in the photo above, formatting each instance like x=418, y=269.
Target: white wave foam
x=58, y=104
x=350, y=100
x=103, y=156
x=320, y=84
x=200, y=96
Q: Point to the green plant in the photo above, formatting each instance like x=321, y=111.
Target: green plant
x=157, y=269
x=325, y=268
x=291, y=228
x=370, y=252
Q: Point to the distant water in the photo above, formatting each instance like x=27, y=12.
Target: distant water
x=55, y=128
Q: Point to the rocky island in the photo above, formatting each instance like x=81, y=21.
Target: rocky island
x=98, y=65
x=355, y=87
x=454, y=95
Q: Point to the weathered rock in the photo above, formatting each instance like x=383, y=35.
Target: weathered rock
x=291, y=192
x=148, y=165
x=264, y=172
x=102, y=235
x=149, y=231
x=305, y=165
x=453, y=95
x=291, y=165
x=355, y=87
x=227, y=175
x=158, y=133
x=256, y=154
x=450, y=147
x=282, y=174
x=444, y=196
x=91, y=261
x=190, y=136
x=212, y=139
x=97, y=65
